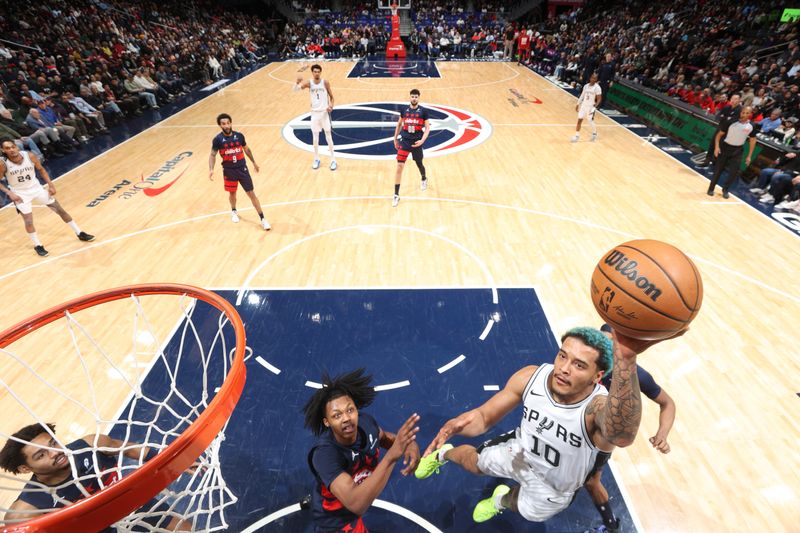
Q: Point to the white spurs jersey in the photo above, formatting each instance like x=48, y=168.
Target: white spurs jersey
x=319, y=95
x=22, y=175
x=553, y=435
x=589, y=94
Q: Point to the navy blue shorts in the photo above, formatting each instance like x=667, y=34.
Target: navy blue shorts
x=234, y=176
x=406, y=148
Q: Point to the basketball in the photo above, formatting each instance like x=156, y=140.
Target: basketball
x=647, y=289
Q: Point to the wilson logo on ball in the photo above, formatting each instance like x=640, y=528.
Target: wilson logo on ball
x=627, y=268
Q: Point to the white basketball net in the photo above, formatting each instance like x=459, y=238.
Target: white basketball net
x=393, y=8
x=198, y=497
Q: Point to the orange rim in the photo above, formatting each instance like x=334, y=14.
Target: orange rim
x=117, y=501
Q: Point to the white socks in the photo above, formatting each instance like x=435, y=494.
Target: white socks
x=35, y=239
x=498, y=502
x=74, y=226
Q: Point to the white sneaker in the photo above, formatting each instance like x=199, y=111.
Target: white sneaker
x=594, y=137
x=767, y=199
x=333, y=165
x=756, y=190
x=315, y=164
x=574, y=138
x=423, y=185
x=395, y=200
x=787, y=204
x=234, y=217
x=265, y=224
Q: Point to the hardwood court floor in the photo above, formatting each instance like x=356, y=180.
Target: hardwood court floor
x=524, y=209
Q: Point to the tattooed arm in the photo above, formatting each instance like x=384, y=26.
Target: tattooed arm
x=613, y=420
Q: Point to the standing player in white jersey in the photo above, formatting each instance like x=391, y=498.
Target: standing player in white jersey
x=568, y=419
x=321, y=109
x=589, y=101
x=19, y=169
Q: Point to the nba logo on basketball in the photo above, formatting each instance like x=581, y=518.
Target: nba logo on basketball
x=605, y=299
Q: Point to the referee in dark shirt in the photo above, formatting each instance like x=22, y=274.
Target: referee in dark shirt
x=728, y=151
x=729, y=112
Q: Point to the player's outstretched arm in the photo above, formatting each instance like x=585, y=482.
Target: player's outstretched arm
x=479, y=421
x=618, y=415
x=301, y=84
x=358, y=498
x=665, y=420
x=110, y=446
x=411, y=455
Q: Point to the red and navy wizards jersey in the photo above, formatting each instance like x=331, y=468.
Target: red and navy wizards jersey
x=231, y=148
x=413, y=123
x=68, y=489
x=328, y=459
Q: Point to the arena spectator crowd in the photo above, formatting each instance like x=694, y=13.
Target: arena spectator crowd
x=77, y=67
x=699, y=52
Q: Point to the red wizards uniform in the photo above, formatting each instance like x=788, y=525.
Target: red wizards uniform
x=234, y=166
x=327, y=460
x=413, y=128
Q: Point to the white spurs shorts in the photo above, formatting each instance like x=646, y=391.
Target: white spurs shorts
x=30, y=196
x=320, y=120
x=502, y=457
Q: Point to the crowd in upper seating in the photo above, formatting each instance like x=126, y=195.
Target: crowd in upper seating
x=700, y=52
x=79, y=66
x=440, y=29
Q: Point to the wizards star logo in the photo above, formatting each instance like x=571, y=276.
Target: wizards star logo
x=365, y=130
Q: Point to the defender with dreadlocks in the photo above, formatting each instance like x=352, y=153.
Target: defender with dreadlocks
x=345, y=459
x=569, y=425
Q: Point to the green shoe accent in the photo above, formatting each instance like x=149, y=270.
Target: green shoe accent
x=430, y=464
x=485, y=509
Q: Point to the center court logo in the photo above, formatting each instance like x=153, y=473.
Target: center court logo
x=129, y=188
x=364, y=130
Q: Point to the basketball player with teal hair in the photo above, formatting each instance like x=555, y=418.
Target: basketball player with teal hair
x=570, y=423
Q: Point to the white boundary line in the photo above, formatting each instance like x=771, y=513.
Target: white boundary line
x=363, y=227
x=390, y=386
x=451, y=364
x=263, y=362
x=313, y=384
x=380, y=504
x=491, y=387
x=448, y=88
x=487, y=329
x=520, y=209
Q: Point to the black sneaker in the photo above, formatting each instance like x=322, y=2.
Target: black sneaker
x=725, y=194
x=85, y=237
x=41, y=251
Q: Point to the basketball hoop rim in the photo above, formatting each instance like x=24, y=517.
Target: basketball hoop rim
x=131, y=492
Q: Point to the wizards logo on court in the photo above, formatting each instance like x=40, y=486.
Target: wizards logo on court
x=365, y=130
